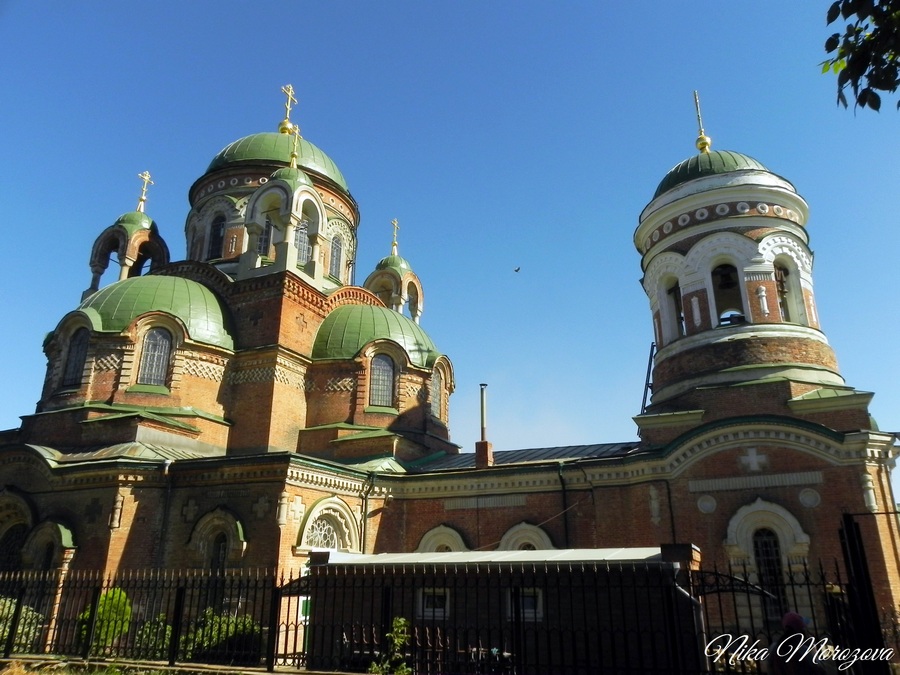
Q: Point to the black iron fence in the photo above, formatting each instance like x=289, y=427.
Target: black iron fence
x=527, y=619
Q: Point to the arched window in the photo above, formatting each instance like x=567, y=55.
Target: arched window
x=155, y=356
x=11, y=544
x=75, y=358
x=675, y=310
x=265, y=239
x=783, y=288
x=770, y=571
x=334, y=264
x=216, y=238
x=437, y=388
x=322, y=534
x=727, y=295
x=301, y=242
x=218, y=552
x=381, y=381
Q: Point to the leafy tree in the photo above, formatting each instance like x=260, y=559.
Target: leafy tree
x=113, y=620
x=865, y=56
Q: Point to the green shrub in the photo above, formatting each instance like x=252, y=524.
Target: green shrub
x=28, y=630
x=393, y=662
x=152, y=639
x=222, y=638
x=113, y=620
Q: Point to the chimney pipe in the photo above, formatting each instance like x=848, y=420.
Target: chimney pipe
x=484, y=454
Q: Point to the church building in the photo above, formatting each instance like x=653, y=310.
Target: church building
x=251, y=403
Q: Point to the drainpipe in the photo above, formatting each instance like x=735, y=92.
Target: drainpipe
x=565, y=504
x=671, y=510
x=370, y=485
x=167, y=507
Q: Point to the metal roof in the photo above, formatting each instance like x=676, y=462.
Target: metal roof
x=506, y=457
x=637, y=554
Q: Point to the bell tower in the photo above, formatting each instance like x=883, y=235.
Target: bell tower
x=727, y=269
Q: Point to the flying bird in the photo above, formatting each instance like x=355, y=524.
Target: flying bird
x=517, y=269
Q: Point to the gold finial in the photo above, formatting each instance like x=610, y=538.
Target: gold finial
x=286, y=127
x=394, y=244
x=295, y=132
x=703, y=142
x=146, y=178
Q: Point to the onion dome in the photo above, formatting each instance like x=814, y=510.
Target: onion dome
x=292, y=176
x=135, y=221
x=349, y=328
x=113, y=308
x=275, y=148
x=396, y=263
x=707, y=163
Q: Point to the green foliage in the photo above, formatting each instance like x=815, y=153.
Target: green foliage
x=28, y=630
x=393, y=662
x=152, y=639
x=113, y=620
x=865, y=56
x=222, y=638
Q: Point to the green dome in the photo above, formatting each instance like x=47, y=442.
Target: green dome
x=113, y=308
x=707, y=164
x=349, y=328
x=293, y=177
x=274, y=147
x=394, y=262
x=134, y=221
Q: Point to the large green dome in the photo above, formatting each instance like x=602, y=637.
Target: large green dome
x=113, y=308
x=349, y=328
x=706, y=164
x=275, y=148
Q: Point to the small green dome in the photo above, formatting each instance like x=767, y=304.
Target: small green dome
x=133, y=221
x=394, y=262
x=349, y=328
x=113, y=308
x=275, y=147
x=293, y=177
x=706, y=164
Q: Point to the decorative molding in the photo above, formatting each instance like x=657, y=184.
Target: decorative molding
x=340, y=384
x=487, y=502
x=204, y=370
x=751, y=482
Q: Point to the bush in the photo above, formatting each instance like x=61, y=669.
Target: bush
x=113, y=620
x=152, y=639
x=222, y=638
x=28, y=630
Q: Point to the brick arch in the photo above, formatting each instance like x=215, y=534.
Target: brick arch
x=336, y=514
x=211, y=525
x=441, y=538
x=525, y=535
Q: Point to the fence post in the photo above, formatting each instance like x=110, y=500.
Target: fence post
x=180, y=593
x=91, y=623
x=274, y=618
x=14, y=623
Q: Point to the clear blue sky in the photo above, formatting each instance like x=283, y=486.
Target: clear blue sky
x=501, y=134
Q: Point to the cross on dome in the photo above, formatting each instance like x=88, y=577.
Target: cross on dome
x=145, y=176
x=394, y=244
x=286, y=126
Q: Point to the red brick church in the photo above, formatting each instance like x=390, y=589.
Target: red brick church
x=250, y=404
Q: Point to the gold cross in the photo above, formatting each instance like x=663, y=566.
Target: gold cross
x=394, y=245
x=289, y=92
x=146, y=178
